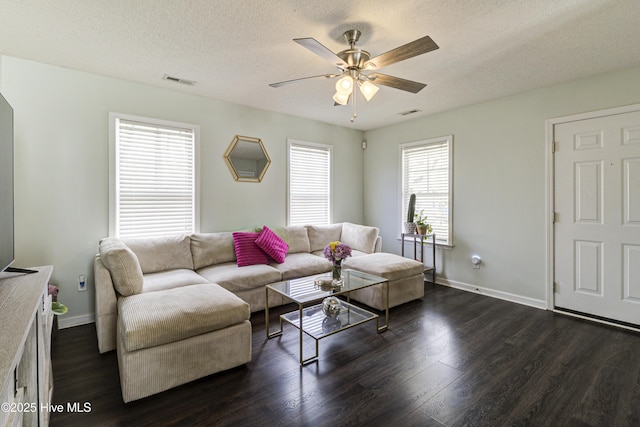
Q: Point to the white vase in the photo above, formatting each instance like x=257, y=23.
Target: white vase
x=410, y=227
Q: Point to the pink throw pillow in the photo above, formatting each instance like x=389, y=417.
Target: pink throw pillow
x=272, y=244
x=247, y=252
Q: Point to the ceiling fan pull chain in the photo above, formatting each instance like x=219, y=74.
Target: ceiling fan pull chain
x=355, y=95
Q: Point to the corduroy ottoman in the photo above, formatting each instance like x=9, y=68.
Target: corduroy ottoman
x=406, y=279
x=171, y=337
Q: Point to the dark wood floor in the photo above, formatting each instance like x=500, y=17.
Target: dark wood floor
x=453, y=358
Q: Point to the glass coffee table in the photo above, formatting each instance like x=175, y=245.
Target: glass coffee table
x=311, y=320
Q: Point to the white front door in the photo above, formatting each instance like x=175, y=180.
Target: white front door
x=597, y=221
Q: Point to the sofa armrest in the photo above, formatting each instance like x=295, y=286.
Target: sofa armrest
x=378, y=246
x=106, y=307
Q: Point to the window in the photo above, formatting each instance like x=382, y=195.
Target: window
x=309, y=183
x=153, y=177
x=426, y=172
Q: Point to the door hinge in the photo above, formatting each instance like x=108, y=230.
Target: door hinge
x=554, y=146
x=554, y=217
x=555, y=287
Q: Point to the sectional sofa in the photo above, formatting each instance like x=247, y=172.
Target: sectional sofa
x=178, y=308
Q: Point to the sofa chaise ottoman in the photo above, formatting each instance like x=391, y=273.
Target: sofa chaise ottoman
x=169, y=338
x=406, y=279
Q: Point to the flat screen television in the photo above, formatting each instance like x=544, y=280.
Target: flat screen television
x=7, y=252
x=7, y=225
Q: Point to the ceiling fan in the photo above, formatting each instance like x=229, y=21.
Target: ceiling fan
x=358, y=68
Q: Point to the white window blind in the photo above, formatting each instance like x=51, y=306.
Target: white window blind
x=426, y=172
x=309, y=183
x=155, y=178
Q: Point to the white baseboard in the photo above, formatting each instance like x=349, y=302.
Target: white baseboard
x=70, y=322
x=531, y=302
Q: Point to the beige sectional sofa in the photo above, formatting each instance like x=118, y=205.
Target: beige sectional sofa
x=184, y=300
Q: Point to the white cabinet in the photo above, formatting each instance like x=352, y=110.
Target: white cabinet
x=25, y=353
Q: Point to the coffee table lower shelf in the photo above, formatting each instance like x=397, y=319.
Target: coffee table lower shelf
x=317, y=325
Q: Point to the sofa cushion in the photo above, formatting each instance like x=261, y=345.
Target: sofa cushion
x=169, y=279
x=162, y=253
x=123, y=266
x=155, y=318
x=230, y=277
x=247, y=252
x=296, y=237
x=359, y=237
x=212, y=248
x=302, y=264
x=321, y=235
x=272, y=244
x=389, y=266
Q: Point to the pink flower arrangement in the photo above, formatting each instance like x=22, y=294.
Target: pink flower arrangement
x=337, y=251
x=53, y=290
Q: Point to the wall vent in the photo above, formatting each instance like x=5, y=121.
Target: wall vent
x=406, y=113
x=178, y=80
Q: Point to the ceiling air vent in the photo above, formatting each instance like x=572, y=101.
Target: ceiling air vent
x=406, y=113
x=178, y=80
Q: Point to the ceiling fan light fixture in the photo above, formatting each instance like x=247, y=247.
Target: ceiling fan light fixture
x=368, y=89
x=341, y=98
x=354, y=61
x=344, y=86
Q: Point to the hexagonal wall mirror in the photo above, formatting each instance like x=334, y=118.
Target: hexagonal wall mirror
x=247, y=159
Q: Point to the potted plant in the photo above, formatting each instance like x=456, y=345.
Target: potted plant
x=57, y=308
x=409, y=225
x=422, y=225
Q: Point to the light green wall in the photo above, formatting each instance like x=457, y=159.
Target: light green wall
x=499, y=179
x=62, y=171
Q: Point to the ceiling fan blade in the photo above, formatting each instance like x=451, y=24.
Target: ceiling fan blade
x=286, y=82
x=409, y=50
x=396, y=82
x=322, y=51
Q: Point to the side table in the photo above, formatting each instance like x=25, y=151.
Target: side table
x=422, y=238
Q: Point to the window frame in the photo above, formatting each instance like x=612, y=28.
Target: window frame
x=316, y=145
x=447, y=139
x=114, y=165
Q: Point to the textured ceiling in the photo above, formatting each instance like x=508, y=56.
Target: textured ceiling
x=234, y=48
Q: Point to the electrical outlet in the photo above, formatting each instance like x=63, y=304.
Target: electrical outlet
x=82, y=283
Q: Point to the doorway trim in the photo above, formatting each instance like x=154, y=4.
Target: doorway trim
x=550, y=183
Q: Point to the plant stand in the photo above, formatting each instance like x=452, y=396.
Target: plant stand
x=422, y=239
